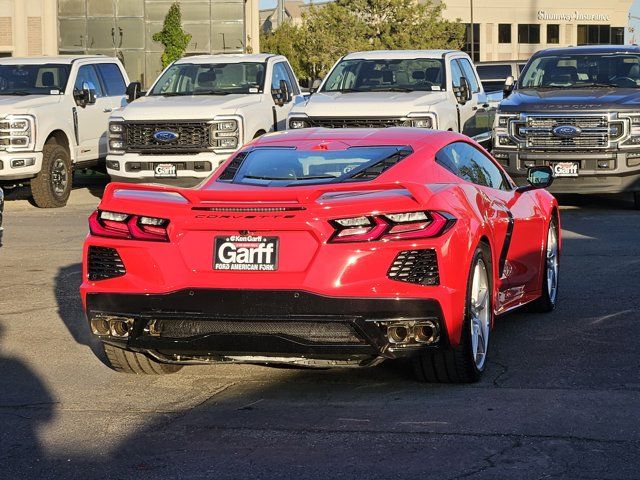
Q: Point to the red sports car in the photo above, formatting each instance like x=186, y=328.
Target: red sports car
x=323, y=248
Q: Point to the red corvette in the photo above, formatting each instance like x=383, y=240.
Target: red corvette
x=323, y=248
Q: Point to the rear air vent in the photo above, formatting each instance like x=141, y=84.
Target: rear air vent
x=229, y=173
x=316, y=332
x=416, y=266
x=104, y=263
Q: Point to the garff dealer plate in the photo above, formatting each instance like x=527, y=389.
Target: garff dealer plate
x=245, y=252
x=565, y=169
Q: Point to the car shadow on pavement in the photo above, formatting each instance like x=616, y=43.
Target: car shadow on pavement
x=67, y=286
x=26, y=405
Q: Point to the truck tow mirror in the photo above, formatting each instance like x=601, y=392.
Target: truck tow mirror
x=134, y=91
x=86, y=96
x=463, y=92
x=282, y=95
x=315, y=85
x=537, y=177
x=509, y=84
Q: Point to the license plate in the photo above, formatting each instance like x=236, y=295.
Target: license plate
x=565, y=169
x=246, y=253
x=165, y=170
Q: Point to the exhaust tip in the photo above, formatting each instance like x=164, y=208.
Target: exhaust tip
x=398, y=333
x=120, y=327
x=100, y=327
x=426, y=332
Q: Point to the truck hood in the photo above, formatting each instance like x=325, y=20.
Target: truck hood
x=575, y=100
x=186, y=108
x=14, y=104
x=369, y=104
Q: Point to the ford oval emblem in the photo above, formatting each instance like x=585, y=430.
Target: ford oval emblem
x=566, y=131
x=165, y=136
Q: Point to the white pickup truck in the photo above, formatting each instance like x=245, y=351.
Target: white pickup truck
x=414, y=88
x=199, y=111
x=54, y=113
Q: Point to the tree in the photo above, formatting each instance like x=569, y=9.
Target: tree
x=330, y=31
x=172, y=36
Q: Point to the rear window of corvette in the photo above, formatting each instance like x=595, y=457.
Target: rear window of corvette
x=281, y=166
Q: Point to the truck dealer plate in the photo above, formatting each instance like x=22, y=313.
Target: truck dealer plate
x=565, y=169
x=246, y=253
x=165, y=170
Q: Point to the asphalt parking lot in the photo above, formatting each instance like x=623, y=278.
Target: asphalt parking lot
x=560, y=399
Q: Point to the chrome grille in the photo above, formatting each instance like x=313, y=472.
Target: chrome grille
x=356, y=122
x=192, y=137
x=536, y=132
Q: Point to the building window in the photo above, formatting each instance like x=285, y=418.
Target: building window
x=617, y=35
x=504, y=33
x=553, y=33
x=528, y=33
x=595, y=34
x=476, y=41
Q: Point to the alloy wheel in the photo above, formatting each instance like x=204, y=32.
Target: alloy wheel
x=59, y=177
x=480, y=314
x=552, y=263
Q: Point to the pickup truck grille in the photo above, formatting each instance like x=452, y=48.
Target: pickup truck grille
x=594, y=132
x=192, y=137
x=356, y=122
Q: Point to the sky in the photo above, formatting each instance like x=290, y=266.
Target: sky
x=634, y=22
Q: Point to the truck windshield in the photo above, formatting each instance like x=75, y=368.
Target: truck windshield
x=45, y=79
x=408, y=75
x=583, y=71
x=211, y=79
x=280, y=167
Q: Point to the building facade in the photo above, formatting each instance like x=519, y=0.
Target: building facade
x=124, y=28
x=508, y=30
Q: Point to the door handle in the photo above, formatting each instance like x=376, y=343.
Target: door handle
x=108, y=110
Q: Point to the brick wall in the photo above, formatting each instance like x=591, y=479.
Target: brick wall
x=34, y=35
x=6, y=31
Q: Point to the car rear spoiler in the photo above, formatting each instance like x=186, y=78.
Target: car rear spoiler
x=287, y=195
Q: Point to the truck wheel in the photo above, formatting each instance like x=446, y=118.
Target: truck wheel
x=52, y=186
x=547, y=301
x=124, y=361
x=466, y=362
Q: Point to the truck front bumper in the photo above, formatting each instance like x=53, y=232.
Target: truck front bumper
x=191, y=169
x=598, y=172
x=19, y=165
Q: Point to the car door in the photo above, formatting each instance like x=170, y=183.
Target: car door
x=280, y=72
x=466, y=108
x=479, y=120
x=114, y=84
x=92, y=119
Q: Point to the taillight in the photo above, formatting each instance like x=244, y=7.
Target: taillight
x=393, y=226
x=123, y=225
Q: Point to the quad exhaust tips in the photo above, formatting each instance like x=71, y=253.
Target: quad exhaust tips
x=112, y=327
x=413, y=332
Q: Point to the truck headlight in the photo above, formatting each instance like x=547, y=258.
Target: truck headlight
x=422, y=120
x=117, y=142
x=17, y=133
x=296, y=123
x=226, y=133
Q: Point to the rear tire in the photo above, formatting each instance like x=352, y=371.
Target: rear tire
x=52, y=186
x=124, y=361
x=547, y=301
x=466, y=362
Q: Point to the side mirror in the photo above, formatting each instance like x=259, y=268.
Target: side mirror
x=134, y=91
x=538, y=177
x=315, y=85
x=282, y=95
x=463, y=92
x=86, y=96
x=509, y=84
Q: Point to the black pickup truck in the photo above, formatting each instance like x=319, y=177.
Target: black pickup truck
x=577, y=110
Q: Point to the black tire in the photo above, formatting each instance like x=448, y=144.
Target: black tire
x=546, y=303
x=636, y=200
x=124, y=361
x=457, y=365
x=52, y=186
